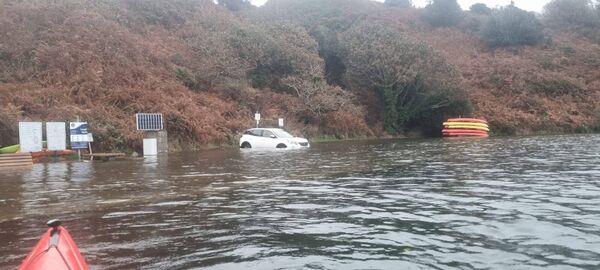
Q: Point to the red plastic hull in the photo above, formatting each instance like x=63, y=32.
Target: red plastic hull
x=56, y=254
x=462, y=130
x=465, y=134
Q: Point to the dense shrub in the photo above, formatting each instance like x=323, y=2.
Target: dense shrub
x=580, y=16
x=412, y=81
x=480, y=8
x=555, y=87
x=324, y=20
x=511, y=26
x=236, y=5
x=473, y=22
x=399, y=3
x=596, y=124
x=9, y=115
x=319, y=98
x=341, y=124
x=571, y=13
x=442, y=13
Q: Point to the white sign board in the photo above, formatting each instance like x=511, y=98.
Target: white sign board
x=257, y=116
x=56, y=135
x=280, y=122
x=30, y=136
x=82, y=138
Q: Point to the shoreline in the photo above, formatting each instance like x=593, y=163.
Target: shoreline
x=176, y=147
x=327, y=139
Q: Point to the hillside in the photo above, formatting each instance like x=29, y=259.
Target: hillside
x=338, y=68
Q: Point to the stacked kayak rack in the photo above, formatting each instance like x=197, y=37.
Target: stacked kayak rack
x=466, y=127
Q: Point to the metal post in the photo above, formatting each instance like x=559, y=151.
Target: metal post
x=90, y=149
x=78, y=150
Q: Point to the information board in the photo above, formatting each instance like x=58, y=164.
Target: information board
x=78, y=132
x=56, y=136
x=30, y=136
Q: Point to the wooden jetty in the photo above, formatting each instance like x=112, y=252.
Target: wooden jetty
x=15, y=160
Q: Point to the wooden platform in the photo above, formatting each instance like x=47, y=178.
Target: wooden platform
x=15, y=160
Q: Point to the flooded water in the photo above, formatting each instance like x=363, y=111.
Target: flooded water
x=499, y=203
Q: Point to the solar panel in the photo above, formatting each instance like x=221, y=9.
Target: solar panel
x=149, y=121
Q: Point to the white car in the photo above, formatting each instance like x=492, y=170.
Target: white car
x=271, y=138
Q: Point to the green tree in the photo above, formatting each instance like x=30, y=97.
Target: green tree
x=399, y=3
x=480, y=8
x=581, y=16
x=571, y=13
x=411, y=80
x=236, y=5
x=324, y=20
x=511, y=26
x=442, y=13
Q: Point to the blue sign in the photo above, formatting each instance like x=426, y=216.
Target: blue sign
x=79, y=135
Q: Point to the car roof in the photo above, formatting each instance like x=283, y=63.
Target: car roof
x=270, y=129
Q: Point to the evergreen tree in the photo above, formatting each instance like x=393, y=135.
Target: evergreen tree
x=399, y=3
x=480, y=8
x=236, y=5
x=571, y=13
x=512, y=26
x=442, y=13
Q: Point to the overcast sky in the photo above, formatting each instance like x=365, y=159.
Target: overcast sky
x=531, y=5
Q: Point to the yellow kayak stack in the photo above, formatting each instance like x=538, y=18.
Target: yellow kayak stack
x=466, y=127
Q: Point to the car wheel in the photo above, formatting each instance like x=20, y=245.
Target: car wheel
x=246, y=145
x=281, y=145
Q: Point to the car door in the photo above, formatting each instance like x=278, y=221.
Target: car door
x=257, y=140
x=269, y=141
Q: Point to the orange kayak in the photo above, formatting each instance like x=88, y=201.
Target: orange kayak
x=451, y=131
x=466, y=134
x=56, y=250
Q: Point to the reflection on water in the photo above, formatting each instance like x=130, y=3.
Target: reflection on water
x=500, y=203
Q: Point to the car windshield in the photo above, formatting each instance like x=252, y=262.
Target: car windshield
x=280, y=133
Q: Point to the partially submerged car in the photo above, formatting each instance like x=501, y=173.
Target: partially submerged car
x=271, y=138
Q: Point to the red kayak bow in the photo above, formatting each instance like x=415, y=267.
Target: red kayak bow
x=56, y=250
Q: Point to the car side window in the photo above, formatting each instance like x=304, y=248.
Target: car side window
x=254, y=132
x=267, y=134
